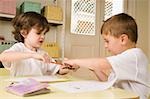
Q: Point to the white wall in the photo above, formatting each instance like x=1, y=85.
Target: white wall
x=142, y=21
x=149, y=29
x=139, y=10
x=142, y=17
x=5, y=30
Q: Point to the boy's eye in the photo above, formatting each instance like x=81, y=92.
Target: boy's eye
x=106, y=41
x=45, y=33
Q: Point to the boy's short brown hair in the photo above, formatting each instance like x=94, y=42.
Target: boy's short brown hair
x=121, y=24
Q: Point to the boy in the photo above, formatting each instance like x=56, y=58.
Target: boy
x=128, y=65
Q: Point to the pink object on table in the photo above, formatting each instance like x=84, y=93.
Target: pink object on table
x=28, y=87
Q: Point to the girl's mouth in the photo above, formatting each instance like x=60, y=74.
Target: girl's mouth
x=41, y=41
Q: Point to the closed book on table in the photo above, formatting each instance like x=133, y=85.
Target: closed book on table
x=28, y=87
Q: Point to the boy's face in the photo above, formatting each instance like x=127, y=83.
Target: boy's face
x=112, y=44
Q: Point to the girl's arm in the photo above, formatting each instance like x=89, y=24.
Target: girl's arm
x=15, y=56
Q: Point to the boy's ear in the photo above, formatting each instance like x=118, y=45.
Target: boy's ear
x=124, y=39
x=23, y=33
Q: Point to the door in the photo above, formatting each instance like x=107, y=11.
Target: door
x=83, y=46
x=79, y=45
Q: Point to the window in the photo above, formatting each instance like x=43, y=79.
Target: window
x=113, y=7
x=83, y=14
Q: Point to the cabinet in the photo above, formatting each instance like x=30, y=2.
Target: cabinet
x=56, y=33
x=6, y=16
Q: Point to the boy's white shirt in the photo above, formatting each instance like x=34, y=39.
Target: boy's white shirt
x=131, y=70
x=29, y=66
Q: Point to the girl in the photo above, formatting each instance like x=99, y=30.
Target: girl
x=25, y=57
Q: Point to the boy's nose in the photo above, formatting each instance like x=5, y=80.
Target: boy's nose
x=106, y=45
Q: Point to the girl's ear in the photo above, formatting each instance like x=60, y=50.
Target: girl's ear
x=24, y=33
x=124, y=39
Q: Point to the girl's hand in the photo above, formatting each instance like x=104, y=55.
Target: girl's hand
x=45, y=58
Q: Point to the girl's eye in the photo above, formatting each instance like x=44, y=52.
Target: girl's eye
x=38, y=33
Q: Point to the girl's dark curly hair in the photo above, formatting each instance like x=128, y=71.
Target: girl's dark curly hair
x=27, y=21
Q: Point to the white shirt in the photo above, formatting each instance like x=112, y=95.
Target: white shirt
x=29, y=66
x=131, y=71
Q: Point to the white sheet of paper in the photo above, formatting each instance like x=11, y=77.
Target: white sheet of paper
x=82, y=86
x=38, y=78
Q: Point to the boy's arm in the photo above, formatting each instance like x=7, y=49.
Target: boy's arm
x=98, y=65
x=91, y=63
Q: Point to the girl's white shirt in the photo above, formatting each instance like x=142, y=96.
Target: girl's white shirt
x=29, y=66
x=130, y=69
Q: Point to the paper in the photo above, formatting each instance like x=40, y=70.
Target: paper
x=38, y=78
x=82, y=86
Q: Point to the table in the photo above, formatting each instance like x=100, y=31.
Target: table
x=112, y=93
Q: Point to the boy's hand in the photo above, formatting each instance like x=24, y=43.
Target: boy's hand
x=72, y=67
x=63, y=70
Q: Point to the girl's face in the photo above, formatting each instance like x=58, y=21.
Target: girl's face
x=33, y=40
x=112, y=44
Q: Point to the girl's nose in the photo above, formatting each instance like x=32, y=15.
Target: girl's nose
x=42, y=36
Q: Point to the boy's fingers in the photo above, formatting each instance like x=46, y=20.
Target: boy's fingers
x=65, y=58
x=71, y=67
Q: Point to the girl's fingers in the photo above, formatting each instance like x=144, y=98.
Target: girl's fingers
x=46, y=58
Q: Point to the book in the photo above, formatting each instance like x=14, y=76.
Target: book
x=28, y=87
